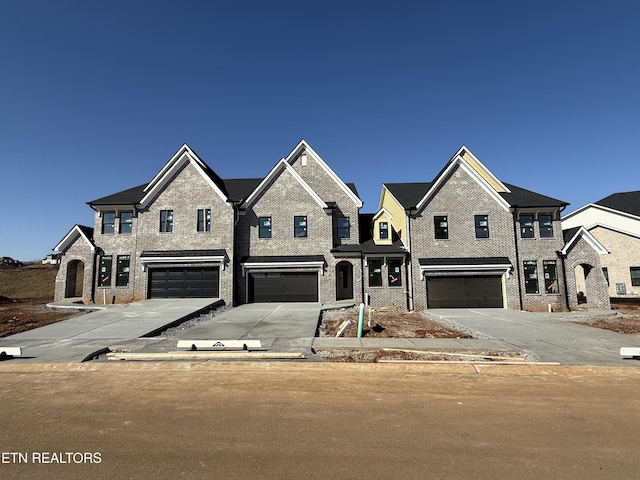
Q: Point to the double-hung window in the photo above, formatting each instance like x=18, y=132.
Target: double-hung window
x=441, y=227
x=104, y=280
x=108, y=222
x=264, y=227
x=122, y=271
x=526, y=226
x=545, y=223
x=384, y=230
x=126, y=220
x=482, y=226
x=166, y=221
x=531, y=276
x=375, y=272
x=635, y=276
x=344, y=227
x=550, y=276
x=394, y=265
x=204, y=220
x=299, y=226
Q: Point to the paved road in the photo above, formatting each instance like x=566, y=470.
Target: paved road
x=280, y=421
x=550, y=337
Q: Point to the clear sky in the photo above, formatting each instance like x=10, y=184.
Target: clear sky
x=95, y=97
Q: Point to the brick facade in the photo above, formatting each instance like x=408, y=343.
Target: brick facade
x=624, y=252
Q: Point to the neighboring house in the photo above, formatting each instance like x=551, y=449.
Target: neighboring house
x=463, y=240
x=52, y=259
x=615, y=222
x=471, y=240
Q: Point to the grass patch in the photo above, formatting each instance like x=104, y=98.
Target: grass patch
x=30, y=281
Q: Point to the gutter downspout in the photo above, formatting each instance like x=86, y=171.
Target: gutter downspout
x=563, y=256
x=410, y=302
x=515, y=241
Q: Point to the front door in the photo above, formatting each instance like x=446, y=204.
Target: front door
x=344, y=281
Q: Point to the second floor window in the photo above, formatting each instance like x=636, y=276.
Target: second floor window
x=441, y=226
x=108, y=222
x=482, y=226
x=545, y=222
x=126, y=220
x=526, y=226
x=384, y=230
x=300, y=226
x=264, y=227
x=204, y=220
x=344, y=227
x=104, y=280
x=166, y=221
x=122, y=271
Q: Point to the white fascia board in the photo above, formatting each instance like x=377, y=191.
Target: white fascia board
x=489, y=173
x=462, y=163
x=578, y=211
x=275, y=171
x=303, y=145
x=70, y=238
x=589, y=238
x=380, y=212
x=437, y=268
x=184, y=155
x=191, y=259
x=593, y=215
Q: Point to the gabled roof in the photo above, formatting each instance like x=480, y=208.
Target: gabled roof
x=303, y=146
x=415, y=195
x=183, y=156
x=627, y=202
x=572, y=235
x=280, y=167
x=78, y=231
x=132, y=196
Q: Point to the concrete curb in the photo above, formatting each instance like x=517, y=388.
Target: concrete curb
x=530, y=369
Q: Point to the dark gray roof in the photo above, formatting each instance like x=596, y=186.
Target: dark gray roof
x=126, y=197
x=283, y=259
x=352, y=187
x=240, y=188
x=408, y=194
x=568, y=234
x=520, y=197
x=627, y=202
x=369, y=247
x=462, y=261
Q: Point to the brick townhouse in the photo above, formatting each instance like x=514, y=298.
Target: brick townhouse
x=465, y=239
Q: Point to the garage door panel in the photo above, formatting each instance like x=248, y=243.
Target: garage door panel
x=184, y=282
x=464, y=292
x=283, y=287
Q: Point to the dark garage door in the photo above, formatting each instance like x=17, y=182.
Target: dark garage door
x=464, y=292
x=184, y=282
x=283, y=287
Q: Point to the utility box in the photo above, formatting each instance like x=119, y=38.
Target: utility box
x=621, y=288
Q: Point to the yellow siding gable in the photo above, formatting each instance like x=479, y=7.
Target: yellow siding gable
x=396, y=219
x=481, y=170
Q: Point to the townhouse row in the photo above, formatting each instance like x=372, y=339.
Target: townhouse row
x=465, y=239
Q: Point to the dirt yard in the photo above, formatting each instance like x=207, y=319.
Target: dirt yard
x=21, y=315
x=626, y=320
x=386, y=323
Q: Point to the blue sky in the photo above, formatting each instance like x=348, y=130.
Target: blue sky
x=95, y=97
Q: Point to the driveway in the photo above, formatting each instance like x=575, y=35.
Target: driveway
x=549, y=337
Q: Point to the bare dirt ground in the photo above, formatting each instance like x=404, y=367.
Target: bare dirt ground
x=26, y=314
x=626, y=320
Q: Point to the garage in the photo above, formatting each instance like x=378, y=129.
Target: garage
x=464, y=292
x=283, y=287
x=184, y=282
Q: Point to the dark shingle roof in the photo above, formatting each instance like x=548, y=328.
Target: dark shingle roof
x=126, y=197
x=521, y=197
x=628, y=202
x=408, y=194
x=568, y=234
x=240, y=188
x=283, y=259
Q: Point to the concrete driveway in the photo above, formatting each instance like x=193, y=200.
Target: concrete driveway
x=549, y=337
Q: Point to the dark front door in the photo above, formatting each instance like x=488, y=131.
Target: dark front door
x=184, y=282
x=464, y=292
x=283, y=287
x=344, y=281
